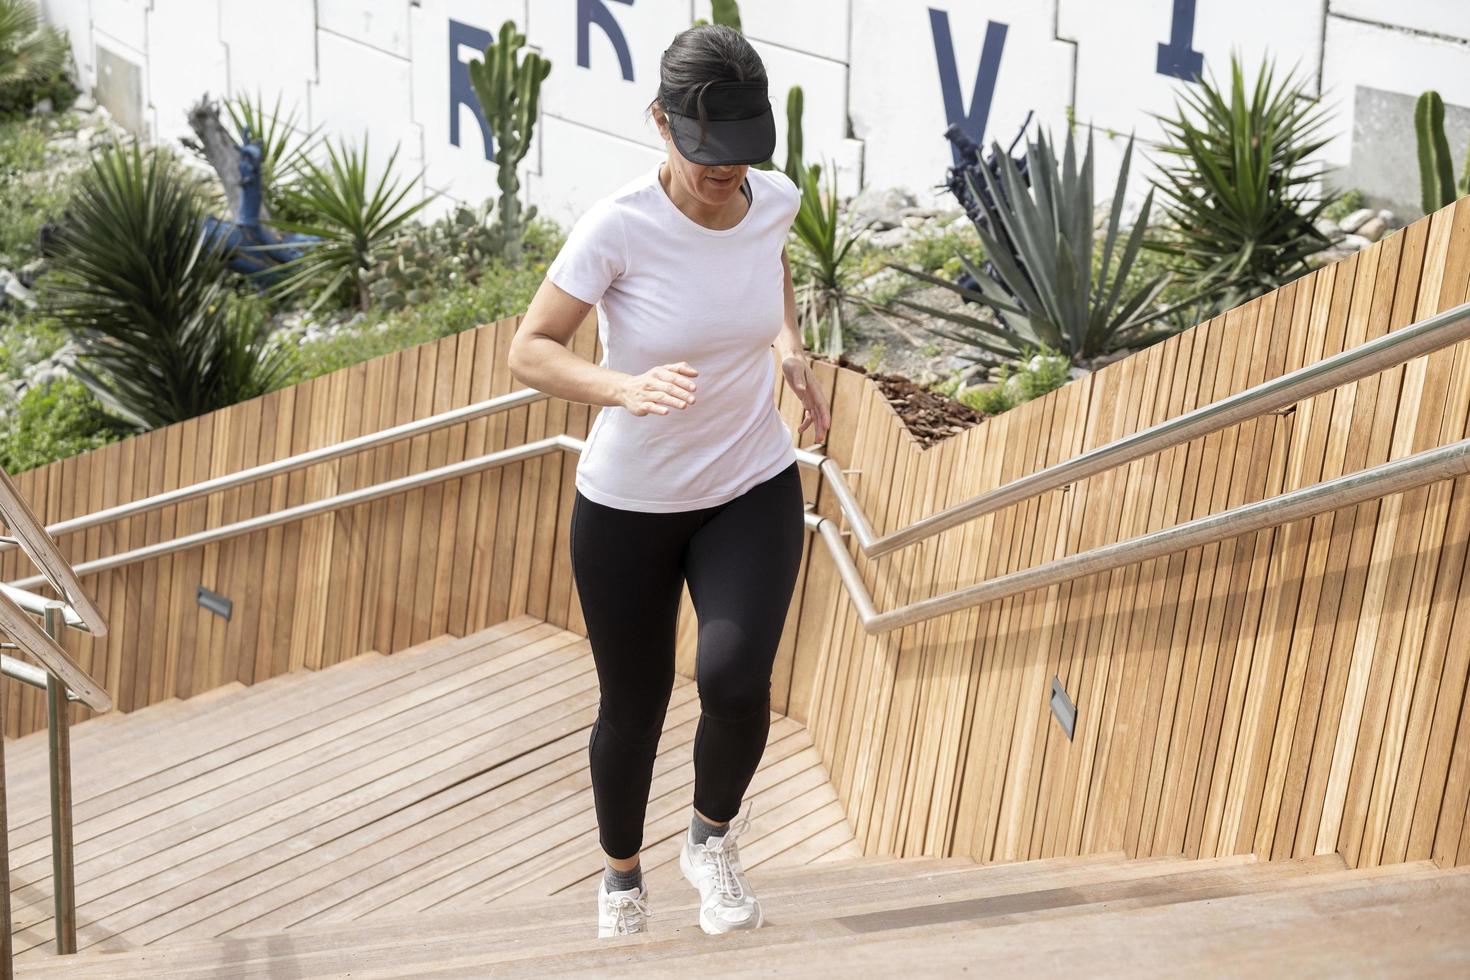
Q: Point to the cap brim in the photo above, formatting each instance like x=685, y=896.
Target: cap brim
x=726, y=141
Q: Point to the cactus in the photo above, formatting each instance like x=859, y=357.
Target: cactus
x=1437, y=183
x=725, y=12
x=509, y=90
x=794, y=166
x=452, y=251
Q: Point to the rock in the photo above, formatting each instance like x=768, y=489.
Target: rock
x=880, y=278
x=1373, y=228
x=928, y=377
x=42, y=108
x=913, y=221
x=1330, y=229
x=883, y=207
x=1356, y=220
x=1389, y=217
x=1354, y=242
x=84, y=103
x=12, y=289
x=31, y=271
x=892, y=237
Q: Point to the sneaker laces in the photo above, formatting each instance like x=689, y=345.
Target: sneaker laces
x=622, y=905
x=725, y=855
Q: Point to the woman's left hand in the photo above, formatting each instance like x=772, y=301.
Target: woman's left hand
x=803, y=381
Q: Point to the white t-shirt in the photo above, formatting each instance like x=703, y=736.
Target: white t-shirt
x=669, y=289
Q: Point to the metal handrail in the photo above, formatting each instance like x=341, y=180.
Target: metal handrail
x=1423, y=337
x=1395, y=476
x=372, y=440
x=36, y=605
x=351, y=498
x=64, y=681
x=38, y=546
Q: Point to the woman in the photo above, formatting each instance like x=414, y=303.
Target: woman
x=689, y=472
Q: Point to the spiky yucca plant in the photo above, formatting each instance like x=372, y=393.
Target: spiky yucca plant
x=1240, y=201
x=148, y=302
x=356, y=224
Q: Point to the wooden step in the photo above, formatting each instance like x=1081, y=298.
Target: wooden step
x=186, y=717
x=563, y=914
x=1408, y=922
x=103, y=782
x=534, y=939
x=687, y=952
x=187, y=841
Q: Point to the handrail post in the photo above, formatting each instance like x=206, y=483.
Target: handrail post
x=7, y=960
x=63, y=870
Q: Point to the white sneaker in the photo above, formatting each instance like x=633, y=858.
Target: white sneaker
x=726, y=902
x=623, y=912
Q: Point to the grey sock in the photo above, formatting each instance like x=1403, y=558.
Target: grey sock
x=618, y=881
x=700, y=830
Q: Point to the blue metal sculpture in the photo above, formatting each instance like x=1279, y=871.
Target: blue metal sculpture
x=256, y=251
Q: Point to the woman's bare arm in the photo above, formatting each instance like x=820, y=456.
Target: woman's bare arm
x=540, y=357
x=788, y=341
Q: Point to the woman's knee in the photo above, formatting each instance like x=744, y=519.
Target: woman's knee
x=734, y=671
x=636, y=717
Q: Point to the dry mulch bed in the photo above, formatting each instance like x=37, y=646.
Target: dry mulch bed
x=929, y=416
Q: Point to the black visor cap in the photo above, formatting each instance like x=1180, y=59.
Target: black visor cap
x=739, y=127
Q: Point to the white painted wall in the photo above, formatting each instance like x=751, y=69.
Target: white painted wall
x=882, y=78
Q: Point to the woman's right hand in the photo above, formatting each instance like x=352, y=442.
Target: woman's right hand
x=658, y=388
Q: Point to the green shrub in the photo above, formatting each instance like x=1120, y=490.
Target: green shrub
x=991, y=399
x=53, y=421
x=33, y=189
x=500, y=291
x=1350, y=201
x=1032, y=376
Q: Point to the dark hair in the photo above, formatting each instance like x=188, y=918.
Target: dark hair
x=695, y=58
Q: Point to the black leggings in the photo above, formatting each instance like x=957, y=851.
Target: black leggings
x=740, y=559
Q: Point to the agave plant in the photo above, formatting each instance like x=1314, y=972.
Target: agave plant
x=355, y=225
x=1047, y=291
x=1240, y=203
x=148, y=301
x=30, y=51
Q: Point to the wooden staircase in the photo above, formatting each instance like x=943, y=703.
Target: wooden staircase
x=430, y=814
x=1105, y=915
x=441, y=778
